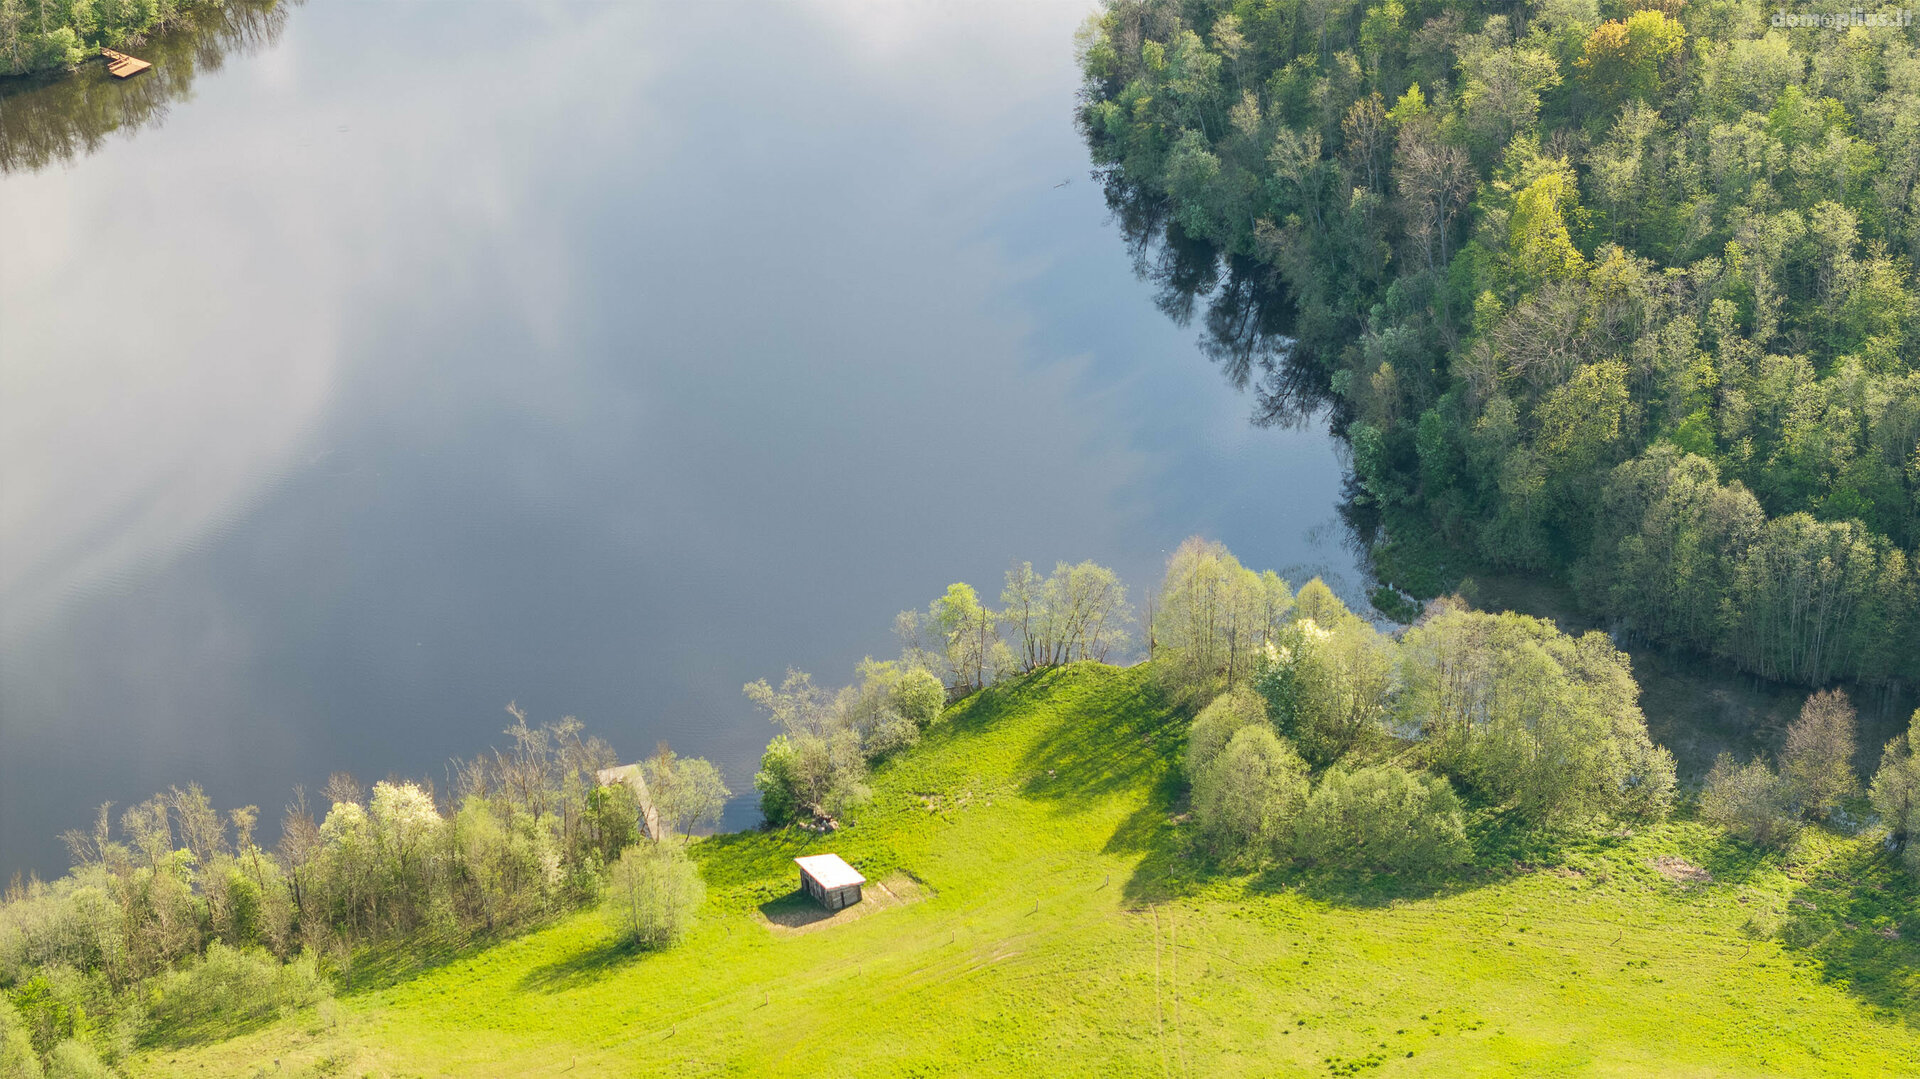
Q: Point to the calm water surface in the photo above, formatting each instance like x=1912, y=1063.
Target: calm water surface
x=599, y=357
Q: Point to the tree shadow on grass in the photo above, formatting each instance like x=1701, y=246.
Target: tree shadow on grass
x=206, y=1031
x=388, y=963
x=1166, y=869
x=1364, y=889
x=1505, y=845
x=739, y=859
x=1732, y=861
x=1858, y=919
x=582, y=968
x=1118, y=738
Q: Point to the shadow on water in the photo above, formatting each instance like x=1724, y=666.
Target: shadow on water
x=46, y=120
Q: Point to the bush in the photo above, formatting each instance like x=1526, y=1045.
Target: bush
x=654, y=893
x=17, y=1058
x=56, y=48
x=806, y=776
x=892, y=732
x=1384, y=816
x=1326, y=683
x=1751, y=801
x=688, y=793
x=233, y=988
x=1217, y=723
x=1245, y=796
x=74, y=1059
x=1526, y=714
x=919, y=696
x=59, y=1003
x=1817, y=760
x=776, y=782
x=1896, y=791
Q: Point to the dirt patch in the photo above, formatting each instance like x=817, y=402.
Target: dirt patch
x=797, y=913
x=1673, y=867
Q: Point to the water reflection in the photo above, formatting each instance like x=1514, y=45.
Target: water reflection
x=60, y=118
x=1249, y=316
x=602, y=356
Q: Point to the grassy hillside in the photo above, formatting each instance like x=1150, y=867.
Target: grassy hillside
x=1043, y=922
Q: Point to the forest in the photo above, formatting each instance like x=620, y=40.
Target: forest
x=39, y=36
x=1618, y=293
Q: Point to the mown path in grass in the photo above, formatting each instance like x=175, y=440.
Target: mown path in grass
x=1059, y=932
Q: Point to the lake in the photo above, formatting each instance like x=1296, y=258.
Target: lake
x=413, y=359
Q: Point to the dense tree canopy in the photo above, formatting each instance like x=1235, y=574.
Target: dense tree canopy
x=1620, y=291
x=1345, y=745
x=1214, y=618
x=1511, y=706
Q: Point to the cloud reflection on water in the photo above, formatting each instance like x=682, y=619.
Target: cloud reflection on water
x=601, y=357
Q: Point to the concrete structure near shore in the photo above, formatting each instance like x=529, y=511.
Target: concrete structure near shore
x=831, y=882
x=630, y=775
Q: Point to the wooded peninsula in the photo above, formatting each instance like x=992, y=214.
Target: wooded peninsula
x=1619, y=293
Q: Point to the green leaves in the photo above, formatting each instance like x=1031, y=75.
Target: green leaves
x=1592, y=236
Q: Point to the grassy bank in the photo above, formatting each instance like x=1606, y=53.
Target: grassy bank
x=1043, y=921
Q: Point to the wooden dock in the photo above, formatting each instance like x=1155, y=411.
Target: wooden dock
x=122, y=66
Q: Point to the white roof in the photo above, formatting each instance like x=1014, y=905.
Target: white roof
x=829, y=871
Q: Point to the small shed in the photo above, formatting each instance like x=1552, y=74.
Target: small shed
x=831, y=882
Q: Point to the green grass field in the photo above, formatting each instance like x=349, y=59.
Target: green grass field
x=1049, y=925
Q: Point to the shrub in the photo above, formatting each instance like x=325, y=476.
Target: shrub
x=17, y=1058
x=613, y=819
x=230, y=988
x=817, y=767
x=919, y=696
x=1217, y=723
x=1384, y=816
x=688, y=793
x=1896, y=791
x=1524, y=713
x=1817, y=761
x=654, y=893
x=892, y=732
x=775, y=781
x=1245, y=796
x=1326, y=683
x=811, y=776
x=1751, y=801
x=73, y=1059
